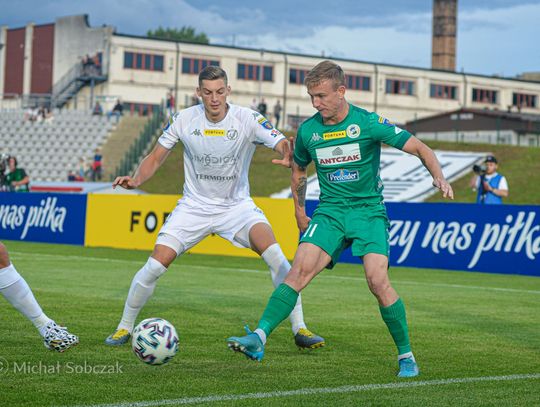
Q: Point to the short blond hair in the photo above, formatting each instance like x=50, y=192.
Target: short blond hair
x=325, y=70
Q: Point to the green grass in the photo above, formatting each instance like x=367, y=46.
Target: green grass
x=462, y=325
x=520, y=166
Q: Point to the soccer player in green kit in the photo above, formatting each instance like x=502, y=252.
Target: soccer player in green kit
x=344, y=142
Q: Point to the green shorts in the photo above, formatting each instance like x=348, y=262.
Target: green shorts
x=336, y=227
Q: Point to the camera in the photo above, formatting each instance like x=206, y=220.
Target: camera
x=479, y=169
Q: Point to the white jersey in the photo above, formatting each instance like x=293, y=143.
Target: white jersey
x=217, y=155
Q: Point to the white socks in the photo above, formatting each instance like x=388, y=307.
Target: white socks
x=405, y=356
x=142, y=287
x=279, y=267
x=15, y=289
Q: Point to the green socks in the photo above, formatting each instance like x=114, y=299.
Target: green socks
x=280, y=305
x=396, y=321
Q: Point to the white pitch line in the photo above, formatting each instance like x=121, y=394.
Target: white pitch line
x=323, y=390
x=324, y=276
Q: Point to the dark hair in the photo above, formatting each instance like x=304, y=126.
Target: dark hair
x=14, y=159
x=325, y=70
x=212, y=73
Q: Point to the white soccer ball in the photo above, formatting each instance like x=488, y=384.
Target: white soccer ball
x=155, y=341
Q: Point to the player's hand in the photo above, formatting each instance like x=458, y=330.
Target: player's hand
x=302, y=221
x=125, y=182
x=444, y=186
x=287, y=154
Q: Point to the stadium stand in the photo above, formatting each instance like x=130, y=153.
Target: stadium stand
x=48, y=150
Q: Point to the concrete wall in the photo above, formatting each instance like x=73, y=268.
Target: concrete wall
x=74, y=39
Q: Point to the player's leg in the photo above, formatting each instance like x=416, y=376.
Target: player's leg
x=16, y=290
x=263, y=242
x=308, y=262
x=184, y=228
x=392, y=310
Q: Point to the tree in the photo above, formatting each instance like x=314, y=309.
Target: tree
x=186, y=33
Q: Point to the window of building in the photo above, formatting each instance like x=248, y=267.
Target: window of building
x=297, y=75
x=399, y=87
x=485, y=96
x=524, y=100
x=439, y=91
x=147, y=62
x=253, y=72
x=196, y=65
x=358, y=82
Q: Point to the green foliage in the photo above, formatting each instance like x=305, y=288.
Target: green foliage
x=185, y=33
x=462, y=325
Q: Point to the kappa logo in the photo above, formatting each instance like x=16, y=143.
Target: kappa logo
x=316, y=137
x=397, y=129
x=353, y=131
x=196, y=132
x=346, y=153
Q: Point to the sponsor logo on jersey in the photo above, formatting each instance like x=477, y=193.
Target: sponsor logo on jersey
x=169, y=123
x=214, y=132
x=216, y=177
x=196, y=132
x=385, y=121
x=342, y=175
x=210, y=160
x=232, y=134
x=334, y=135
x=347, y=153
x=316, y=137
x=275, y=133
x=353, y=131
x=266, y=124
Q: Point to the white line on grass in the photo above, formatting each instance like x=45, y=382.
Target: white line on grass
x=323, y=390
x=324, y=276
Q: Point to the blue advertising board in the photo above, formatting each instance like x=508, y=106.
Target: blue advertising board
x=470, y=237
x=36, y=217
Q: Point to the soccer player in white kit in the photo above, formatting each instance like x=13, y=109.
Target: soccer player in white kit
x=15, y=289
x=219, y=140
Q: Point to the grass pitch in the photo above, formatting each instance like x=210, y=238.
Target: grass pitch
x=476, y=336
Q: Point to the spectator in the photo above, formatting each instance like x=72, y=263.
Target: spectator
x=262, y=107
x=117, y=111
x=170, y=104
x=254, y=105
x=98, y=110
x=71, y=176
x=83, y=170
x=277, y=113
x=97, y=165
x=17, y=179
x=31, y=114
x=44, y=115
x=491, y=186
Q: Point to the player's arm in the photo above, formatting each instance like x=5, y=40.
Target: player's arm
x=146, y=169
x=429, y=159
x=299, y=189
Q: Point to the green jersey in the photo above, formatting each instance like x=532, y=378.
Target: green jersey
x=18, y=175
x=347, y=155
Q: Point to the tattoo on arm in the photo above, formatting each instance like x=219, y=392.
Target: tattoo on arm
x=301, y=191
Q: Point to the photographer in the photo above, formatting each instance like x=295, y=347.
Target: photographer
x=491, y=186
x=17, y=179
x=3, y=167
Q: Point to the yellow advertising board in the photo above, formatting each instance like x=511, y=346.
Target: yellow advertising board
x=133, y=222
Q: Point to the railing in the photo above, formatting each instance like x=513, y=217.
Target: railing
x=141, y=143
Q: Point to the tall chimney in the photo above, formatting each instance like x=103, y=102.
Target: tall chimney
x=443, y=47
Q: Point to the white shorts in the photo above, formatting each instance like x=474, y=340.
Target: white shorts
x=190, y=222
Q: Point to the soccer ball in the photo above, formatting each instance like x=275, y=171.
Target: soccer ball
x=155, y=341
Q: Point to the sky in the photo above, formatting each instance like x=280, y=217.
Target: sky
x=495, y=37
